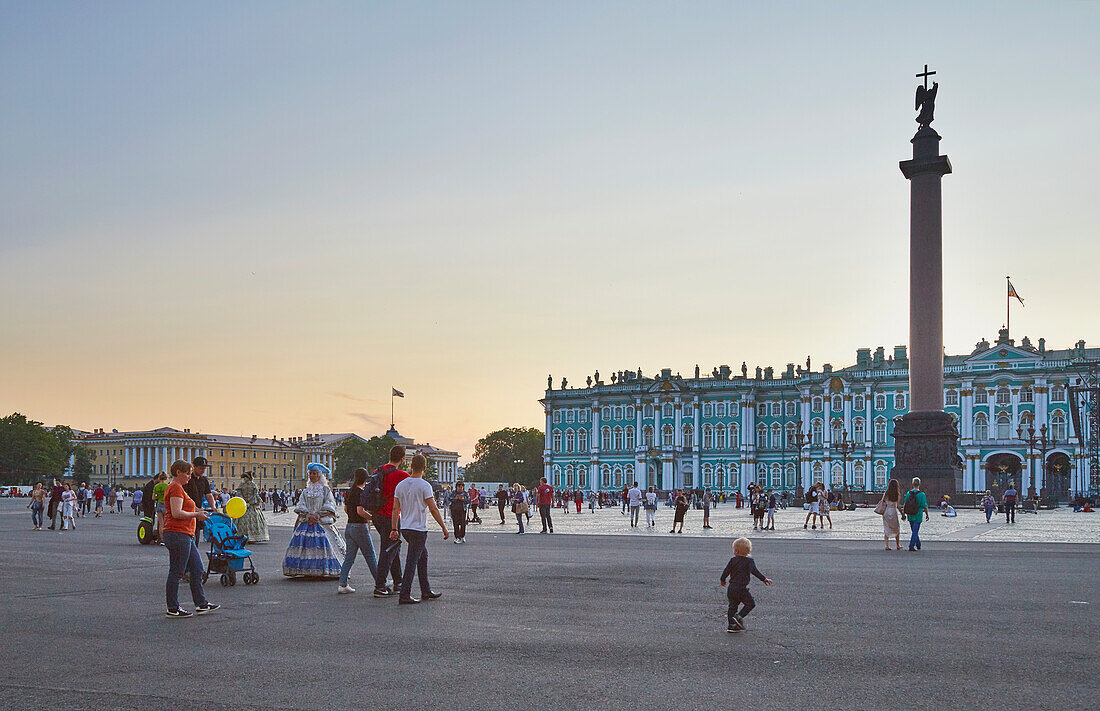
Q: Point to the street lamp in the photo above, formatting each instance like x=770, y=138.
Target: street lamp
x=1044, y=445
x=112, y=470
x=845, y=447
x=801, y=439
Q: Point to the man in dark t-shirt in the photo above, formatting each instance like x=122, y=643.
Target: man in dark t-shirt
x=198, y=488
x=502, y=501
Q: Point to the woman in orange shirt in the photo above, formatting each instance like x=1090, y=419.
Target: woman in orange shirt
x=180, y=515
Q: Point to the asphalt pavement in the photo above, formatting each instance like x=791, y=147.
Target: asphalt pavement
x=554, y=621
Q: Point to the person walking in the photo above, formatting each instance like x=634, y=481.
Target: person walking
x=37, y=504
x=545, y=500
x=55, y=503
x=651, y=507
x=578, y=498
x=475, y=504
x=989, y=504
x=1009, y=501
x=179, y=538
x=356, y=533
x=915, y=504
x=888, y=509
x=68, y=507
x=681, y=511
x=771, y=503
x=519, y=505
x=634, y=499
x=626, y=496
x=738, y=570
x=99, y=496
x=502, y=501
x=459, y=501
x=708, y=499
x=413, y=499
x=824, y=508
x=389, y=557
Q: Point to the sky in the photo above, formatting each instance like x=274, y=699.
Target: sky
x=258, y=217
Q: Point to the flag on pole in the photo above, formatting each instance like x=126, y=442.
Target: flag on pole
x=398, y=393
x=1012, y=293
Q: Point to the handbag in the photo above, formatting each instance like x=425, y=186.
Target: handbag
x=880, y=509
x=522, y=508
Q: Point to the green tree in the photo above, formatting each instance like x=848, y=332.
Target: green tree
x=353, y=453
x=513, y=454
x=31, y=452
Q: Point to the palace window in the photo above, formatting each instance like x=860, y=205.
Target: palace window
x=556, y=475
x=777, y=409
x=859, y=475
x=981, y=427
x=777, y=437
x=582, y=440
x=605, y=476
x=880, y=401
x=689, y=434
x=631, y=440
x=618, y=435
x=708, y=474
x=818, y=472
x=792, y=408
x=605, y=438
x=1058, y=393
x=557, y=440
x=761, y=437
x=761, y=409
x=859, y=432
x=981, y=396
x=619, y=477
x=630, y=412
x=618, y=412
x=880, y=474
x=720, y=437
x=777, y=476
x=762, y=474
x=735, y=437
x=817, y=403
x=557, y=417
x=1058, y=426
x=708, y=409
x=582, y=415
x=836, y=430
x=838, y=475
x=837, y=404
x=647, y=435
x=667, y=410
x=720, y=476
x=570, y=415
x=1004, y=397
x=1027, y=394
x=789, y=475
x=817, y=432
x=951, y=398
x=880, y=430
x=720, y=410
x=1004, y=426
x=1025, y=421
x=606, y=413
x=570, y=441
x=667, y=436
x=858, y=402
x=899, y=401
x=647, y=411
x=708, y=437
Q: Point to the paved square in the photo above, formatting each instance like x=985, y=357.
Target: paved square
x=563, y=621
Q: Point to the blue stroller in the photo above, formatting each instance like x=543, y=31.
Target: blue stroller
x=228, y=555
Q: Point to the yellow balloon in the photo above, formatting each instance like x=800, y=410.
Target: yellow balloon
x=235, y=507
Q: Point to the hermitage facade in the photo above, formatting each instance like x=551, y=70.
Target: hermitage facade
x=724, y=430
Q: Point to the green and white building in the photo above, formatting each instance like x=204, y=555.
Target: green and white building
x=725, y=430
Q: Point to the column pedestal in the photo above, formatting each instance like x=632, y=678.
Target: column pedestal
x=926, y=446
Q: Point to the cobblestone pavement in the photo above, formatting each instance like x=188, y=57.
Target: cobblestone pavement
x=1058, y=526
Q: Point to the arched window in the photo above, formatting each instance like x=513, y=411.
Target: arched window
x=818, y=472
x=859, y=475
x=708, y=437
x=666, y=411
x=557, y=440
x=605, y=438
x=708, y=475
x=720, y=437
x=619, y=476
x=1058, y=426
x=668, y=437
x=582, y=477
x=606, y=413
x=570, y=440
x=720, y=410
x=981, y=427
x=1004, y=397
x=951, y=398
x=761, y=437
x=880, y=430
x=777, y=409
x=631, y=440
x=762, y=474
x=1058, y=393
x=735, y=436
x=720, y=476
x=761, y=409
x=1027, y=394
x=570, y=415
x=880, y=401
x=776, y=436
x=836, y=430
x=618, y=412
x=605, y=476
x=569, y=475
x=777, y=475
x=1025, y=420
x=689, y=436
x=981, y=396
x=582, y=440
x=619, y=443
x=582, y=415
x=880, y=474
x=859, y=431
x=837, y=404
x=817, y=432
x=557, y=417
x=838, y=475
x=792, y=408
x=647, y=435
x=647, y=411
x=817, y=404
x=899, y=401
x=1004, y=426
x=630, y=412
x=708, y=409
x=789, y=475
x=858, y=403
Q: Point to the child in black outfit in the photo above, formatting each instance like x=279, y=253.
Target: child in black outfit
x=738, y=570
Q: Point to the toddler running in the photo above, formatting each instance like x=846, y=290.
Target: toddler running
x=738, y=570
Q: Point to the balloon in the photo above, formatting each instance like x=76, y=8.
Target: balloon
x=235, y=507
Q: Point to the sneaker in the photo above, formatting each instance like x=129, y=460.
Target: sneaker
x=430, y=595
x=733, y=628
x=408, y=600
x=178, y=612
x=383, y=592
x=208, y=607
x=345, y=589
x=740, y=622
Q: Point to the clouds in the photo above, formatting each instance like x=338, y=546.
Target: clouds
x=356, y=399
x=372, y=421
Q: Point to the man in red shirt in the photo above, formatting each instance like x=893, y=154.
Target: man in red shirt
x=389, y=557
x=545, y=501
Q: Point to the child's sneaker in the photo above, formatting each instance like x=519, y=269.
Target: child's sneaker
x=178, y=612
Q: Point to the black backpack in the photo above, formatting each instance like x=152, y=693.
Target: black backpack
x=911, y=506
x=370, y=498
x=811, y=496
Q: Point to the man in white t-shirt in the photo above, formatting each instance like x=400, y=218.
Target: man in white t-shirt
x=634, y=498
x=650, y=507
x=413, y=498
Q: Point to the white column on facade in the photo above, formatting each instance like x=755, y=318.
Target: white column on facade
x=827, y=434
x=678, y=424
x=869, y=427
x=638, y=440
x=547, y=453
x=697, y=438
x=966, y=408
x=594, y=442
x=1014, y=398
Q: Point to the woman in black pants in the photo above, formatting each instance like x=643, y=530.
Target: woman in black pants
x=458, y=511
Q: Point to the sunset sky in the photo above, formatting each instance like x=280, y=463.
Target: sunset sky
x=257, y=217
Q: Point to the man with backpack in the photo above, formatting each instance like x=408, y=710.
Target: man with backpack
x=378, y=496
x=1009, y=501
x=915, y=504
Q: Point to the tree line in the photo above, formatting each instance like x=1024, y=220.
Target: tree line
x=30, y=451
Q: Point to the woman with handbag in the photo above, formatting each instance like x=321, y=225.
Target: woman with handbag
x=316, y=549
x=519, y=506
x=888, y=509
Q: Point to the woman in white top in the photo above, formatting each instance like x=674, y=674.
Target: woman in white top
x=68, y=503
x=650, y=508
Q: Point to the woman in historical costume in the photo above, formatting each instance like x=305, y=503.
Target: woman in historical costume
x=252, y=524
x=316, y=549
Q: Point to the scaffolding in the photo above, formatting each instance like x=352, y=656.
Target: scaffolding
x=1084, y=405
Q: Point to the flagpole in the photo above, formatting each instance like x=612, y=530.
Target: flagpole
x=1008, y=305
x=391, y=407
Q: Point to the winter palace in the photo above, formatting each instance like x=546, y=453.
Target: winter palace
x=726, y=430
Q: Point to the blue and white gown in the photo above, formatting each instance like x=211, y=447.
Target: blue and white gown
x=316, y=550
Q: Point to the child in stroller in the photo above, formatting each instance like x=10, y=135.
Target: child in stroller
x=227, y=555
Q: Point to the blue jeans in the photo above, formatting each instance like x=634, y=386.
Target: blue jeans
x=519, y=517
x=183, y=554
x=36, y=514
x=357, y=538
x=416, y=562
x=914, y=540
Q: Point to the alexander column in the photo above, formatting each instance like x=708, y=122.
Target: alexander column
x=926, y=439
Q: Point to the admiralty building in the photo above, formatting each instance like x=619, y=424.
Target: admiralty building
x=725, y=429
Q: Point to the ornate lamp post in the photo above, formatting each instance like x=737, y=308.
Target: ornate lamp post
x=112, y=470
x=801, y=439
x=1044, y=445
x=845, y=447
